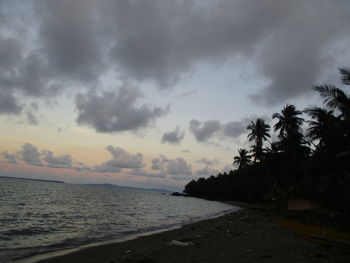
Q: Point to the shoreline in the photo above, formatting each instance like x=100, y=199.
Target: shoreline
x=246, y=235
x=43, y=257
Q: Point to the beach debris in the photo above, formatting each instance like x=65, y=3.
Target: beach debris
x=181, y=244
x=128, y=251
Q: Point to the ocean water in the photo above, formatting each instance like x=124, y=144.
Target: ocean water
x=39, y=217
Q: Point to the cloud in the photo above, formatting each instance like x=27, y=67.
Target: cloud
x=70, y=38
x=63, y=161
x=9, y=158
x=144, y=173
x=120, y=159
x=30, y=154
x=31, y=118
x=170, y=38
x=235, y=129
x=123, y=159
x=173, y=137
x=10, y=48
x=107, y=167
x=9, y=103
x=76, y=42
x=116, y=111
x=204, y=131
x=177, y=168
x=208, y=162
x=189, y=93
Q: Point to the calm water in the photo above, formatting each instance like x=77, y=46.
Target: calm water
x=38, y=217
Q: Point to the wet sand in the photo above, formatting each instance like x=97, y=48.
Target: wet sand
x=244, y=236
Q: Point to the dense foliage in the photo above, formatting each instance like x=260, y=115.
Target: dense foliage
x=311, y=163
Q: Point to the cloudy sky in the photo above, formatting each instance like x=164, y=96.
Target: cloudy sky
x=154, y=93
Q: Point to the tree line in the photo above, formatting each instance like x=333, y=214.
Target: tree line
x=310, y=159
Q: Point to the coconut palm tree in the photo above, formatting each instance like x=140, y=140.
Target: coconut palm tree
x=259, y=131
x=335, y=98
x=289, y=126
x=274, y=148
x=345, y=72
x=288, y=122
x=324, y=127
x=243, y=159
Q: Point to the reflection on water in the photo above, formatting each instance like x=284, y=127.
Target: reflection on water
x=37, y=217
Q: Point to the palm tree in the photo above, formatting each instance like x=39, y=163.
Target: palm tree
x=345, y=72
x=274, y=148
x=243, y=159
x=335, y=98
x=289, y=127
x=288, y=122
x=259, y=131
x=323, y=127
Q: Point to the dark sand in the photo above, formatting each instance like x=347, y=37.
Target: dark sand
x=244, y=236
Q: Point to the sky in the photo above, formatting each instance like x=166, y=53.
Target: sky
x=154, y=93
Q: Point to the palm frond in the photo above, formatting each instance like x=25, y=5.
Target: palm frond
x=345, y=75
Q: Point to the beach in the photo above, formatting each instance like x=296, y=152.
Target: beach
x=247, y=235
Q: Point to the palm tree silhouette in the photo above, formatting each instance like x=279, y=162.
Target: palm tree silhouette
x=259, y=131
x=323, y=127
x=335, y=98
x=243, y=159
x=345, y=72
x=289, y=127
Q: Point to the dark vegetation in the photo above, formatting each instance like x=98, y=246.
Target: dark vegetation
x=310, y=159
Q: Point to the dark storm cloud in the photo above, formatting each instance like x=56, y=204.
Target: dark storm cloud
x=74, y=41
x=116, y=111
x=204, y=131
x=288, y=40
x=9, y=50
x=22, y=75
x=70, y=36
x=8, y=103
x=173, y=137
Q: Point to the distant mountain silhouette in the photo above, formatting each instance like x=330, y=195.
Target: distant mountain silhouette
x=31, y=179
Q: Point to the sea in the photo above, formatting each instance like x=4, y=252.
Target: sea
x=39, y=217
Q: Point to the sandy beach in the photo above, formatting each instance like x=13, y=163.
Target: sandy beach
x=244, y=236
